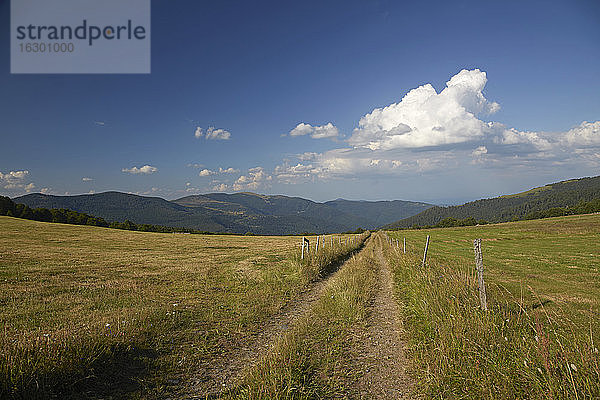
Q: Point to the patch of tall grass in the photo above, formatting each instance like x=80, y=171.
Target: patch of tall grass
x=514, y=350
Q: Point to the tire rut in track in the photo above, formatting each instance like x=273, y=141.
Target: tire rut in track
x=380, y=349
x=223, y=373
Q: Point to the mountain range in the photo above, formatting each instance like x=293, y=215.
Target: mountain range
x=234, y=213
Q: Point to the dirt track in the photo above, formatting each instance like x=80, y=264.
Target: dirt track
x=378, y=347
x=223, y=373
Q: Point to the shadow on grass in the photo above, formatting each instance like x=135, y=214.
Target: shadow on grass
x=540, y=304
x=114, y=374
x=335, y=264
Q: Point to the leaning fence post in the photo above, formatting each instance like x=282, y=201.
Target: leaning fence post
x=302, y=256
x=425, y=253
x=317, y=245
x=479, y=266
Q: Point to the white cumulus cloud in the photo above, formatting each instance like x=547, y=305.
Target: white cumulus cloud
x=229, y=170
x=430, y=131
x=212, y=133
x=426, y=118
x=217, y=134
x=256, y=178
x=315, y=132
x=208, y=172
x=220, y=187
x=15, y=181
x=146, y=169
x=586, y=134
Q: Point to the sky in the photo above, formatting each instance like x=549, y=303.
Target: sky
x=435, y=101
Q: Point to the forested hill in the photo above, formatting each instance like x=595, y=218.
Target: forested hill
x=511, y=207
x=233, y=213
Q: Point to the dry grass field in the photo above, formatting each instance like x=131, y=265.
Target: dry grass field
x=101, y=313
x=104, y=312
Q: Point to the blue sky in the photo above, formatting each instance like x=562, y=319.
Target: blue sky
x=523, y=112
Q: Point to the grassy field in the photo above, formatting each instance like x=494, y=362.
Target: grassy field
x=96, y=313
x=311, y=361
x=540, y=337
x=103, y=312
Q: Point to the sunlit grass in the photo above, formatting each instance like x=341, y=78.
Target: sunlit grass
x=540, y=337
x=110, y=312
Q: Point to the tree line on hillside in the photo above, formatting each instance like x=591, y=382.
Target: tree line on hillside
x=526, y=205
x=584, y=207
x=65, y=216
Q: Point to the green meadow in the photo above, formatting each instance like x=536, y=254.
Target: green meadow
x=539, y=338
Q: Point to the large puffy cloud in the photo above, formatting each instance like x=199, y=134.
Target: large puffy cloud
x=428, y=131
x=315, y=132
x=426, y=118
x=146, y=169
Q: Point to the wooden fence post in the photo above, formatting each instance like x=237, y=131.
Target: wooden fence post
x=317, y=245
x=404, y=245
x=479, y=266
x=305, y=243
x=425, y=253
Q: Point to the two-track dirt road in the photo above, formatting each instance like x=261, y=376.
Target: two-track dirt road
x=379, y=347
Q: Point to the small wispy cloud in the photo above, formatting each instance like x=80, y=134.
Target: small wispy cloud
x=146, y=169
x=208, y=172
x=99, y=123
x=220, y=187
x=315, y=132
x=87, y=179
x=212, y=133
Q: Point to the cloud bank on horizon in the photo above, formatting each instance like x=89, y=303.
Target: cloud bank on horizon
x=428, y=131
